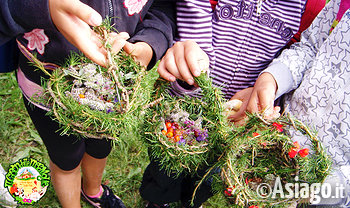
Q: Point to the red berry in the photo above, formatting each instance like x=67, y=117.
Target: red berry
x=292, y=153
x=278, y=126
x=304, y=152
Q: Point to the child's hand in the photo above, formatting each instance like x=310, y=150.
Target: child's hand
x=72, y=18
x=183, y=61
x=259, y=98
x=140, y=51
x=239, y=117
x=263, y=95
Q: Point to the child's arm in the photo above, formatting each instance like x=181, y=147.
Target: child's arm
x=183, y=61
x=154, y=34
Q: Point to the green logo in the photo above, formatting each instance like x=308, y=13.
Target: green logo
x=27, y=180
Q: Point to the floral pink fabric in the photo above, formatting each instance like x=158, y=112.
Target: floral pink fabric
x=134, y=6
x=36, y=40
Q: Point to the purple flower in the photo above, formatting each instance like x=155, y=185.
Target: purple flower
x=116, y=100
x=202, y=136
x=189, y=123
x=182, y=141
x=196, y=132
x=109, y=110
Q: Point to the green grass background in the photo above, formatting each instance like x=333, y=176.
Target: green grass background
x=19, y=139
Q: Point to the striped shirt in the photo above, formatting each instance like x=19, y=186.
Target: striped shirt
x=239, y=41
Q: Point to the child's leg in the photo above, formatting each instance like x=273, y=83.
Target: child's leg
x=67, y=185
x=92, y=174
x=159, y=188
x=66, y=154
x=203, y=193
x=93, y=164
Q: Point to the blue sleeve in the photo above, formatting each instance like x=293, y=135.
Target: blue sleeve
x=20, y=16
x=158, y=28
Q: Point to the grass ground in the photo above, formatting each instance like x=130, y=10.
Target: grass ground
x=19, y=139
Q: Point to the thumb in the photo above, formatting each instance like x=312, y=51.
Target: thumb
x=86, y=13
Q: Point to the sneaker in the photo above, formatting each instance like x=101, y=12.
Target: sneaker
x=153, y=205
x=107, y=200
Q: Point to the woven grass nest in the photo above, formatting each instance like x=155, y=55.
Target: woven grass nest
x=182, y=132
x=263, y=155
x=95, y=102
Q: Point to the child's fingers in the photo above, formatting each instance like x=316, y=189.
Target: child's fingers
x=163, y=70
x=180, y=61
x=196, y=59
x=266, y=100
x=91, y=47
x=118, y=40
x=121, y=35
x=97, y=55
x=71, y=17
x=140, y=51
x=244, y=96
x=252, y=105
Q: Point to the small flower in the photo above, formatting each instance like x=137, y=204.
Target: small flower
x=228, y=192
x=170, y=130
x=170, y=134
x=292, y=153
x=263, y=144
x=196, y=133
x=202, y=136
x=296, y=145
x=177, y=138
x=189, y=123
x=168, y=124
x=247, y=180
x=296, y=149
x=278, y=126
x=253, y=206
x=304, y=152
x=255, y=134
x=164, y=132
x=178, y=132
x=182, y=141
